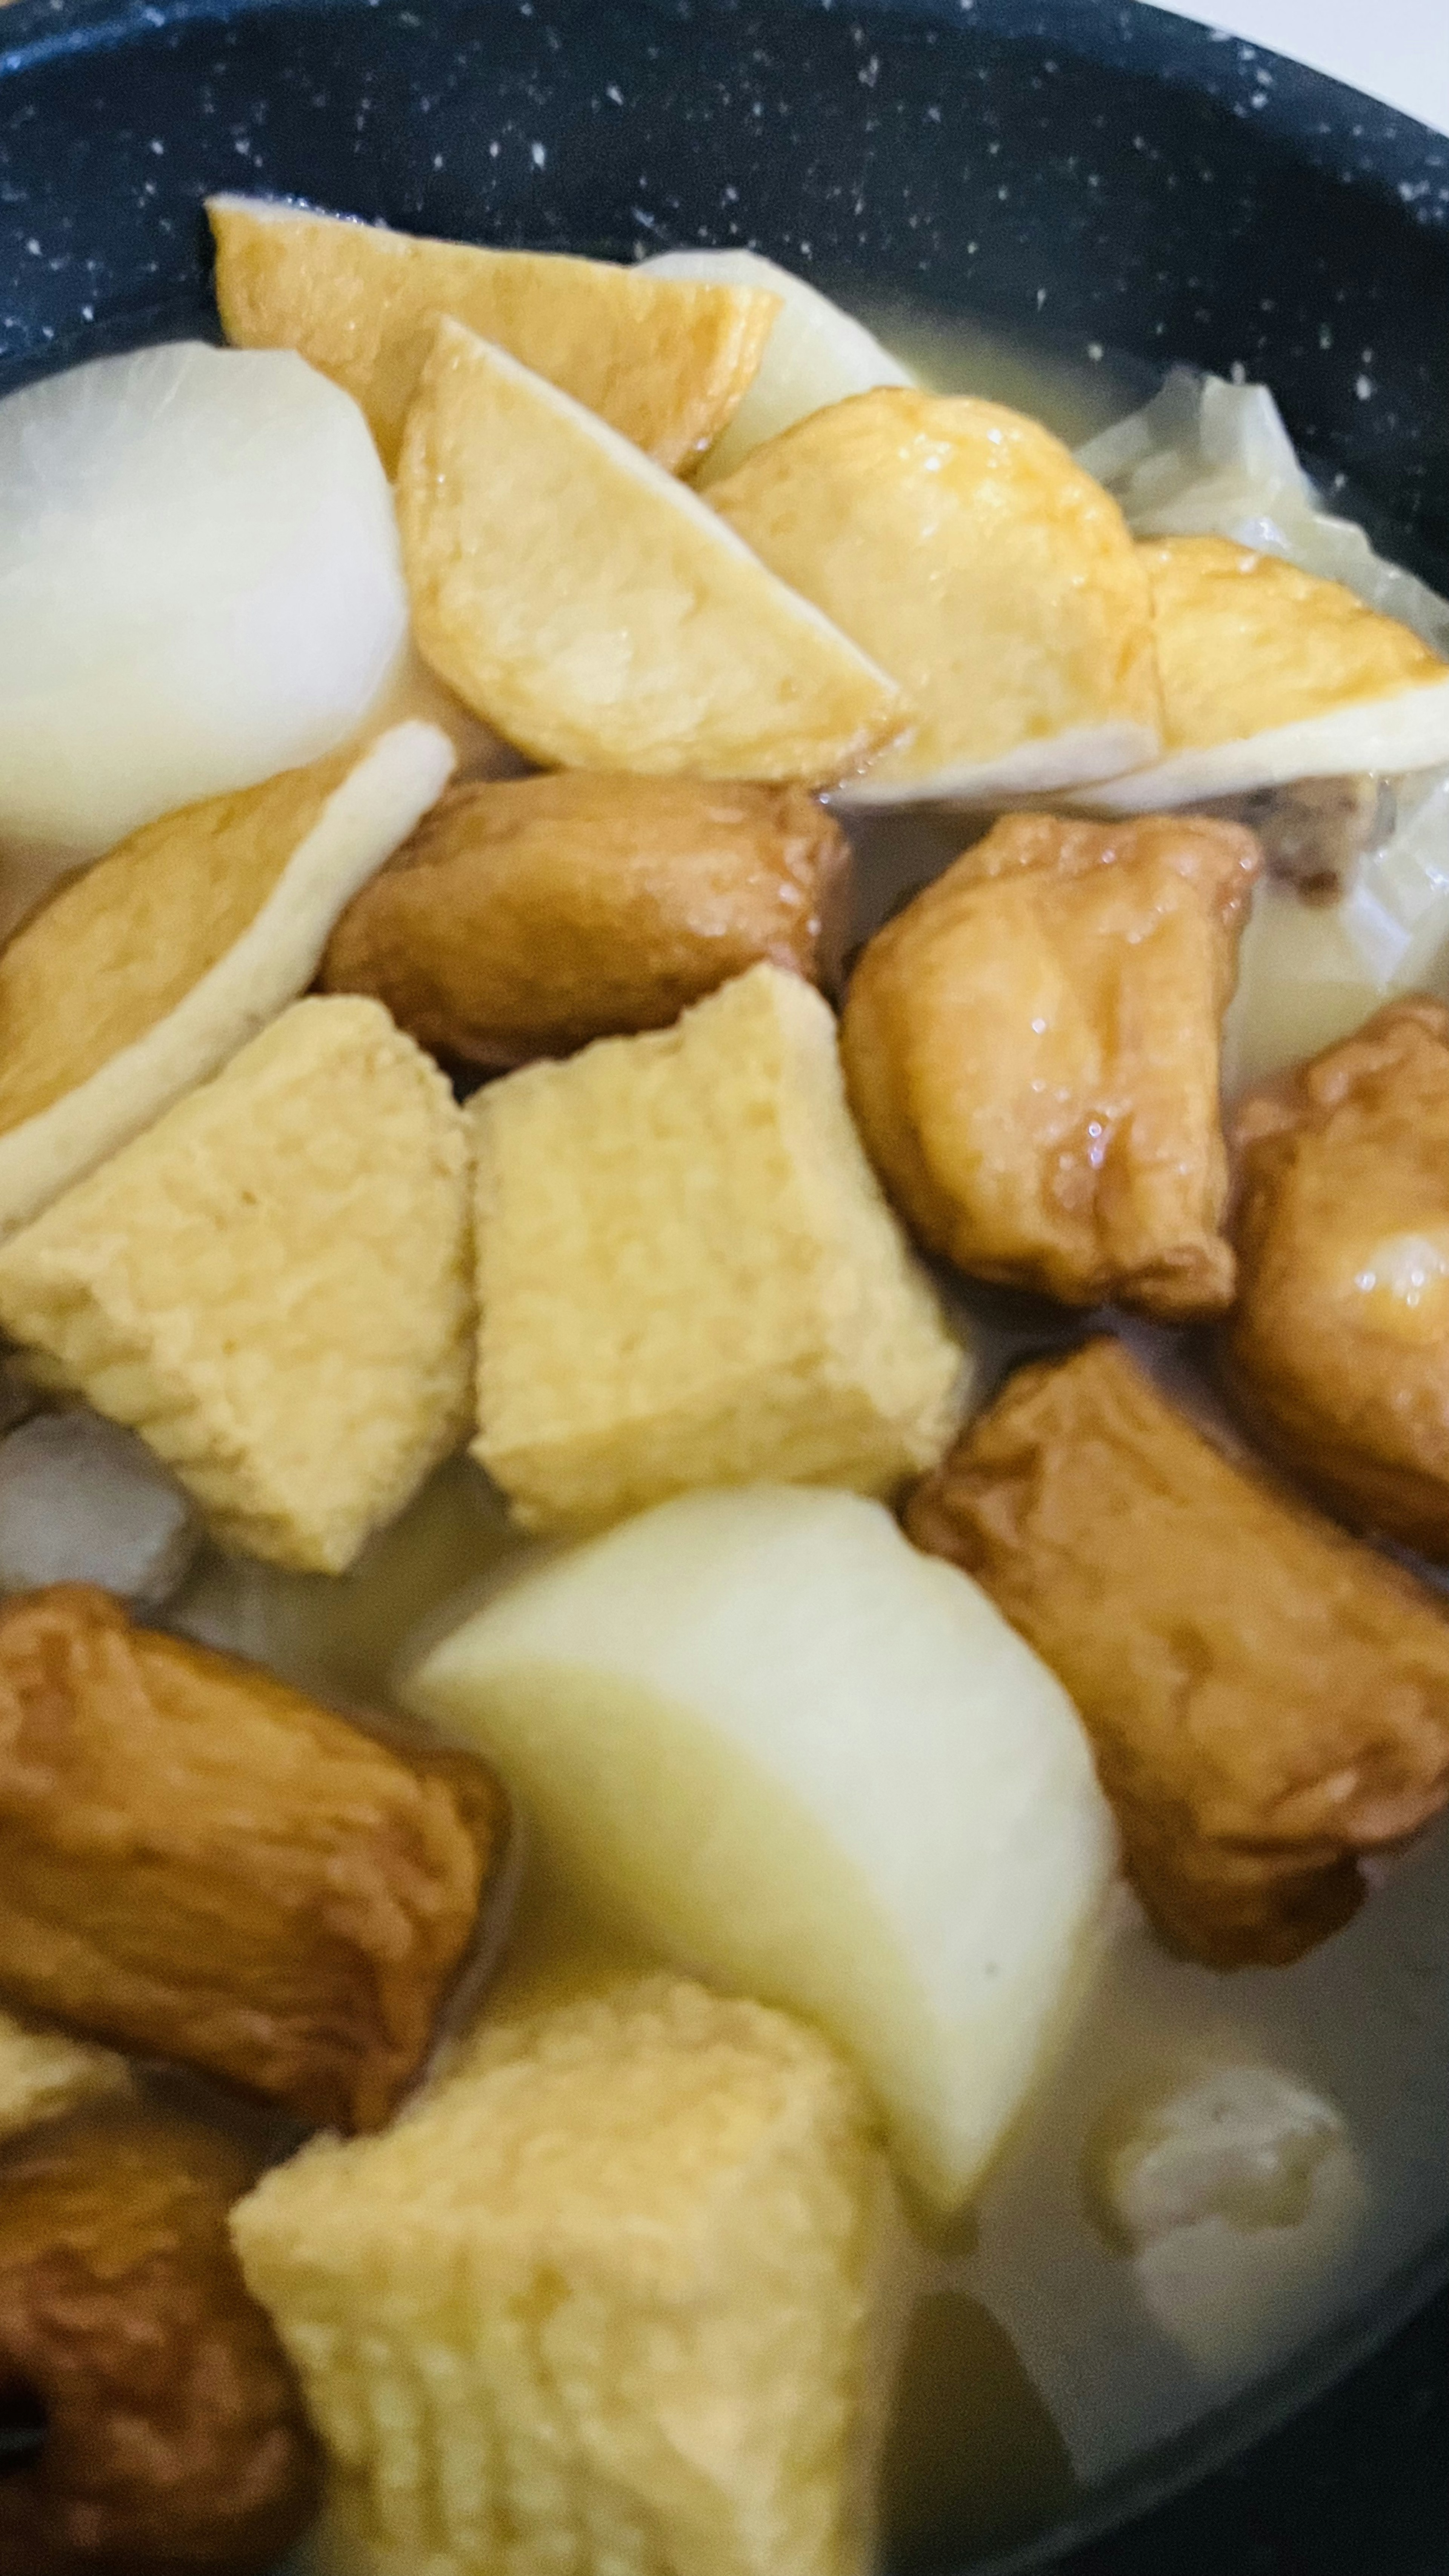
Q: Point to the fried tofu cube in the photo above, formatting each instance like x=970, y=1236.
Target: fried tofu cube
x=1268, y=1700
x=1032, y=1054
x=687, y=1274
x=1272, y=675
x=272, y=1285
x=665, y=360
x=44, y=2073
x=601, y=2299
x=597, y=613
x=1338, y=1347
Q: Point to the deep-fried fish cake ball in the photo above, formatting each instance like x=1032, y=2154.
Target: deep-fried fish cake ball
x=1338, y=1348
x=1032, y=1050
x=1267, y=1699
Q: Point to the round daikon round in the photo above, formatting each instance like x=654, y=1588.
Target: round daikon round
x=200, y=585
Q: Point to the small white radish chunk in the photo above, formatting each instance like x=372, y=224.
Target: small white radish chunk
x=1241, y=2143
x=815, y=354
x=1239, y=2195
x=200, y=585
x=756, y=1729
x=84, y=1501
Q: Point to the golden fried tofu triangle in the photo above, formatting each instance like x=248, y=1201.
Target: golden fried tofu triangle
x=966, y=551
x=1270, y=674
x=184, y=942
x=665, y=360
x=596, y=612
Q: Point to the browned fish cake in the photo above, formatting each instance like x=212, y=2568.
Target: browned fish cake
x=1338, y=1347
x=174, y=2436
x=1266, y=1697
x=197, y=1862
x=527, y=916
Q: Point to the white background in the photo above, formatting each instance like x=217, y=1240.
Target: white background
x=1396, y=49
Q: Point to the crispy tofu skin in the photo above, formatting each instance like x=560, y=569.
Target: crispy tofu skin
x=1247, y=643
x=1032, y=1051
x=1267, y=1699
x=186, y=941
x=1338, y=1348
x=529, y=915
x=44, y=2073
x=967, y=552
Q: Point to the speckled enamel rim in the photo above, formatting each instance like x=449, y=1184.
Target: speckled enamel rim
x=1217, y=137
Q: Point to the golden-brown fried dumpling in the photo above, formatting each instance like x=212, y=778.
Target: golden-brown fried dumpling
x=1338, y=1348
x=1267, y=1699
x=1031, y=1049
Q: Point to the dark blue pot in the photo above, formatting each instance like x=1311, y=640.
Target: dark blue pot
x=1100, y=170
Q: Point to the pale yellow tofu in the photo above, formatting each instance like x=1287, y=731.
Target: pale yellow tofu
x=966, y=551
x=688, y=1275
x=599, y=2304
x=147, y=973
x=665, y=360
x=44, y=2074
x=272, y=1285
x=597, y=613
x=1270, y=675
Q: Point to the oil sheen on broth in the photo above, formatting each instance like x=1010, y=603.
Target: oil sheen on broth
x=1042, y=2357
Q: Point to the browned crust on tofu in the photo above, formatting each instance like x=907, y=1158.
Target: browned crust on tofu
x=1267, y=1699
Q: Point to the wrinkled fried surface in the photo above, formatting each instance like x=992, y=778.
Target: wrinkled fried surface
x=174, y=2434
x=1267, y=1699
x=197, y=1862
x=1032, y=1052
x=526, y=917
x=1338, y=1348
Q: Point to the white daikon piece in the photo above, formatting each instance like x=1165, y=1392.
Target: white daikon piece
x=759, y=1731
x=816, y=352
x=200, y=585
x=1239, y=2193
